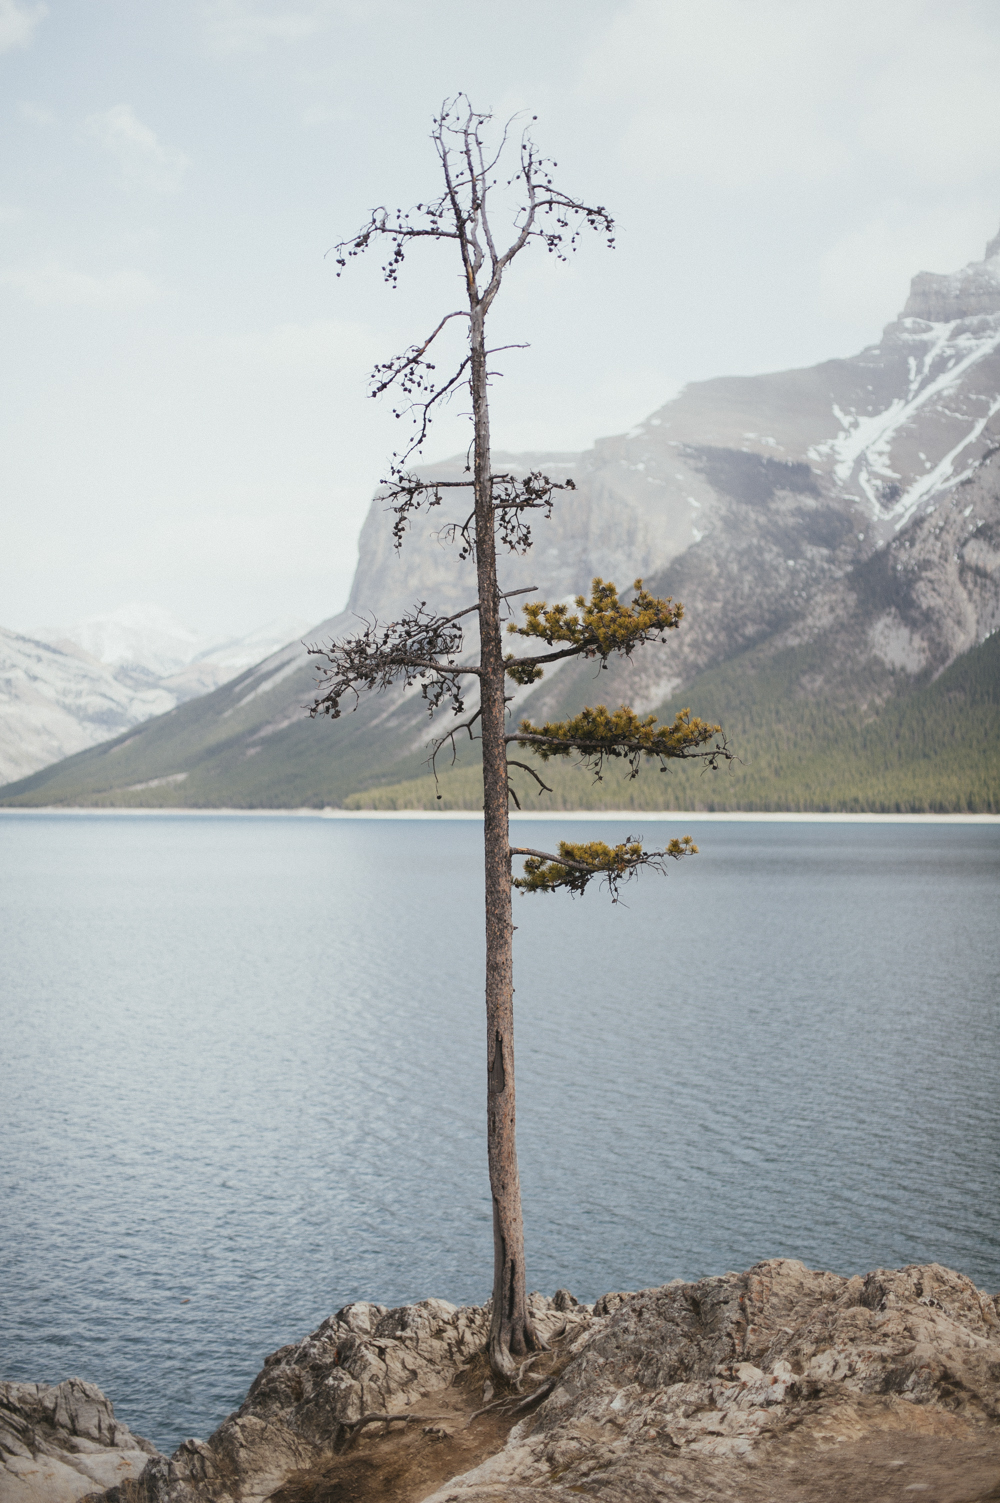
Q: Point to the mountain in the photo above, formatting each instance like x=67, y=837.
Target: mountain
x=57, y=700
x=138, y=634
x=67, y=688
x=146, y=637
x=834, y=533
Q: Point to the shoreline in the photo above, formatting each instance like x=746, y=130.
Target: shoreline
x=589, y=816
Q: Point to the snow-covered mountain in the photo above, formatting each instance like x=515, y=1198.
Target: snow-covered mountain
x=146, y=636
x=67, y=688
x=218, y=663
x=55, y=701
x=136, y=634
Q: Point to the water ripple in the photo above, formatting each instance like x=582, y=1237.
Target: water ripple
x=243, y=1066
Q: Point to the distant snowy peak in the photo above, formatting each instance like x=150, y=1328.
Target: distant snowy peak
x=137, y=633
x=145, y=636
x=55, y=702
x=67, y=688
x=237, y=653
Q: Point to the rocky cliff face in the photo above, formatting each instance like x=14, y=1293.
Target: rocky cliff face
x=860, y=496
x=779, y=1383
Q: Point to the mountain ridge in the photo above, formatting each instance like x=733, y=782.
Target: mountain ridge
x=853, y=505
x=65, y=689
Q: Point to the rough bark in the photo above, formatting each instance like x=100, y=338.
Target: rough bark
x=511, y=1332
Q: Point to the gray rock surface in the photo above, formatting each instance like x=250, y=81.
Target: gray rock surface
x=712, y=1391
x=365, y=1359
x=677, y=1385
x=58, y=1444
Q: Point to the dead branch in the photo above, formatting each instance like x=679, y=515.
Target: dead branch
x=400, y=364
x=460, y=213
x=418, y=648
x=450, y=736
x=543, y=787
x=507, y=595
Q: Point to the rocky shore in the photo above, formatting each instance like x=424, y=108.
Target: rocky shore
x=779, y=1384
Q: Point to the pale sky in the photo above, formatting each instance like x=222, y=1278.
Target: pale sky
x=184, y=407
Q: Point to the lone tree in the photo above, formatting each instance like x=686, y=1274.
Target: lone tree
x=431, y=650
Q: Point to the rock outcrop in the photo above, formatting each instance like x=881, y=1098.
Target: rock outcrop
x=58, y=1443
x=712, y=1390
x=778, y=1383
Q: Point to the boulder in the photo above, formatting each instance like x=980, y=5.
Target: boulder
x=60, y=1443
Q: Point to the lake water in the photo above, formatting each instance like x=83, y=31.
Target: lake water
x=243, y=1072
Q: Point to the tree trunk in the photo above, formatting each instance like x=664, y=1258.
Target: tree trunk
x=511, y=1333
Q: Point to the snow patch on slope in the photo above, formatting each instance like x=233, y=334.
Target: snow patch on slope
x=862, y=450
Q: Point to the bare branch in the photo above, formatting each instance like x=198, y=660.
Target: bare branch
x=442, y=741
x=460, y=213
x=542, y=787
x=421, y=408
x=400, y=364
x=525, y=590
x=512, y=495
x=419, y=648
x=407, y=494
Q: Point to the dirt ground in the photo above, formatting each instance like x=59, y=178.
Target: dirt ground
x=894, y=1469
x=404, y=1463
x=398, y=1463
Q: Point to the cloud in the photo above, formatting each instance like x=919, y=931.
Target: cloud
x=18, y=22
x=144, y=161
x=60, y=285
x=251, y=25
x=742, y=95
